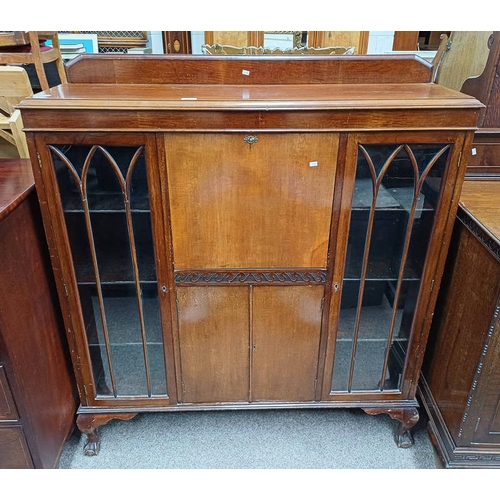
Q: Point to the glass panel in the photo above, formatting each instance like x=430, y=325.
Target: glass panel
x=106, y=207
x=394, y=202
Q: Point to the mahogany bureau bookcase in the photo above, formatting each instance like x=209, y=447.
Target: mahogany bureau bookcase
x=248, y=232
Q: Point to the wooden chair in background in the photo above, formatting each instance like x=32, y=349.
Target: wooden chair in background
x=27, y=47
x=14, y=87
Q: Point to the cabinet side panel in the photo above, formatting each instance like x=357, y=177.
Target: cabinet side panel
x=245, y=205
x=214, y=343
x=286, y=334
x=31, y=325
x=463, y=314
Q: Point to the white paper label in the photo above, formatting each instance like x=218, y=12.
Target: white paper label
x=245, y=72
x=474, y=152
x=313, y=163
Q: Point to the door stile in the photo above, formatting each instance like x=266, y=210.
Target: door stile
x=62, y=259
x=341, y=217
x=167, y=266
x=163, y=255
x=330, y=291
x=438, y=249
x=56, y=261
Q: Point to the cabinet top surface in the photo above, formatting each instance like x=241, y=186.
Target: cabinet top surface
x=251, y=97
x=16, y=182
x=481, y=200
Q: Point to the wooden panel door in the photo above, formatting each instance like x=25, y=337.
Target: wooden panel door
x=286, y=325
x=214, y=343
x=356, y=39
x=246, y=201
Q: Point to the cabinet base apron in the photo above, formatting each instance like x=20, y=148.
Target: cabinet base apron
x=89, y=419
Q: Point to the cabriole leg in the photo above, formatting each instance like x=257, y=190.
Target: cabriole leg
x=88, y=423
x=407, y=417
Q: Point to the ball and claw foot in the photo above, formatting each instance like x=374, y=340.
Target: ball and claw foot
x=404, y=439
x=88, y=423
x=92, y=445
x=407, y=418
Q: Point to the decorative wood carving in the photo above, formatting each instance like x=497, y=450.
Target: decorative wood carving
x=479, y=369
x=488, y=241
x=218, y=49
x=250, y=277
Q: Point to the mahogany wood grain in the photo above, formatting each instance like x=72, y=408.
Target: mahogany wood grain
x=161, y=232
x=346, y=119
x=194, y=69
x=471, y=287
x=214, y=343
x=269, y=208
x=247, y=96
x=32, y=344
x=16, y=183
x=460, y=387
x=285, y=342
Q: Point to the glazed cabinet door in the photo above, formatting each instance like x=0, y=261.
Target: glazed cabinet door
x=107, y=219
x=250, y=225
x=391, y=229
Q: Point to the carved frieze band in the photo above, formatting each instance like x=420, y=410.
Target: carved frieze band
x=484, y=458
x=250, y=277
x=479, y=232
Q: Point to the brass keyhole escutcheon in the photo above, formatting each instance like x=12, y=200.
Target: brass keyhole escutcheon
x=251, y=139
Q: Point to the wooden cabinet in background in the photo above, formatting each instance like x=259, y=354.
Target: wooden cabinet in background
x=37, y=390
x=229, y=234
x=460, y=386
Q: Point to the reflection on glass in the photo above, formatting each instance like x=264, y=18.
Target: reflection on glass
x=394, y=202
x=106, y=207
